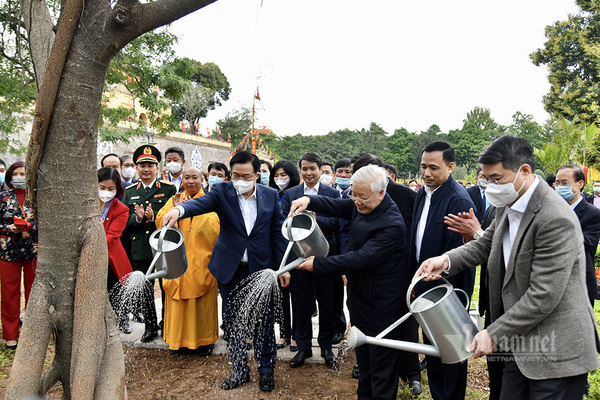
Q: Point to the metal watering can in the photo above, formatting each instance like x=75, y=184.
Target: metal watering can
x=443, y=318
x=169, y=260
x=305, y=238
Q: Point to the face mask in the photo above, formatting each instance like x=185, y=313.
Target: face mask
x=343, y=182
x=566, y=192
x=3, y=174
x=264, y=178
x=128, y=173
x=106, y=196
x=502, y=194
x=415, y=188
x=482, y=183
x=596, y=189
x=18, y=182
x=204, y=184
x=326, y=179
x=282, y=183
x=242, y=186
x=214, y=179
x=173, y=167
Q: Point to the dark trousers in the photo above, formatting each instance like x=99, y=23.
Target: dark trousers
x=379, y=369
x=285, y=326
x=302, y=284
x=337, y=302
x=411, y=368
x=446, y=381
x=266, y=353
x=148, y=306
x=516, y=386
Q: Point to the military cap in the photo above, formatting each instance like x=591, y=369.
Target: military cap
x=146, y=153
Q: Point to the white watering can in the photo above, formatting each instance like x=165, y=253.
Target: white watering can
x=170, y=259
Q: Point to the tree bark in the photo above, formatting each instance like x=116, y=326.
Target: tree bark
x=72, y=254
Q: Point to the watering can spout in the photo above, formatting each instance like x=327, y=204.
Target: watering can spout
x=356, y=338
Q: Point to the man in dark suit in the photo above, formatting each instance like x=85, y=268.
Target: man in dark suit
x=477, y=194
x=303, y=284
x=538, y=302
x=127, y=171
x=375, y=266
x=570, y=180
x=441, y=195
x=594, y=198
x=250, y=240
x=144, y=200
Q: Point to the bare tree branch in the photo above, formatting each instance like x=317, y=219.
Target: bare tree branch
x=41, y=34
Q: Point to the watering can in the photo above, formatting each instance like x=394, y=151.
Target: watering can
x=305, y=238
x=169, y=259
x=443, y=318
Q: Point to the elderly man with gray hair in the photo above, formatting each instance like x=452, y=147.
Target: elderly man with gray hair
x=375, y=266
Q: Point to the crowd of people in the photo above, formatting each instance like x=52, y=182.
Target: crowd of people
x=535, y=243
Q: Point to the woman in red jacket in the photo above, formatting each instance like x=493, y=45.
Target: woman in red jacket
x=114, y=217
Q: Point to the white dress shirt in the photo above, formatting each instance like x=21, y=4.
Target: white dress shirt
x=176, y=181
x=423, y=220
x=515, y=214
x=248, y=206
x=311, y=191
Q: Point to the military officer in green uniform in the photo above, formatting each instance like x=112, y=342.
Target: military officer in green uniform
x=144, y=200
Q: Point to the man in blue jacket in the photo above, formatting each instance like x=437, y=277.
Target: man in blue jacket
x=303, y=284
x=441, y=195
x=375, y=266
x=250, y=240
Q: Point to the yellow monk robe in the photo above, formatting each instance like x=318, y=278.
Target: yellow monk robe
x=191, y=316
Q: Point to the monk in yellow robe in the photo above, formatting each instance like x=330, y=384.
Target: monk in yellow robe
x=191, y=316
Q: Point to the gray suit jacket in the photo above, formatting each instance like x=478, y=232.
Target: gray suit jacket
x=539, y=306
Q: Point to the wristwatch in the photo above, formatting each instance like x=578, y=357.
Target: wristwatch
x=478, y=234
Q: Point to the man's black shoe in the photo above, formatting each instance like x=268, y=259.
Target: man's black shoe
x=337, y=338
x=415, y=388
x=423, y=364
x=124, y=326
x=149, y=334
x=299, y=358
x=329, y=357
x=355, y=372
x=266, y=382
x=234, y=381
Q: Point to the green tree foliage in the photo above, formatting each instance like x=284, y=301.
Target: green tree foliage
x=399, y=151
x=236, y=124
x=525, y=127
x=572, y=56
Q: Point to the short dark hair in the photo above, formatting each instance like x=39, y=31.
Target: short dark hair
x=125, y=157
x=342, y=163
x=509, y=150
x=109, y=155
x=290, y=169
x=390, y=168
x=364, y=160
x=477, y=172
x=550, y=179
x=2, y=162
x=311, y=157
x=10, y=171
x=219, y=166
x=445, y=148
x=108, y=173
x=268, y=164
x=356, y=157
x=177, y=150
x=243, y=157
x=327, y=163
x=578, y=173
x=595, y=182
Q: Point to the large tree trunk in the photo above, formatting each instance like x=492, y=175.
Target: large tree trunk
x=69, y=296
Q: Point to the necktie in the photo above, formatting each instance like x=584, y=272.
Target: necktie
x=147, y=189
x=485, y=204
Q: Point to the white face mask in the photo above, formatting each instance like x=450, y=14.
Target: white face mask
x=174, y=167
x=242, y=186
x=106, y=196
x=503, y=194
x=326, y=179
x=18, y=182
x=128, y=173
x=282, y=183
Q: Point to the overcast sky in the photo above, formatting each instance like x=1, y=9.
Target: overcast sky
x=324, y=65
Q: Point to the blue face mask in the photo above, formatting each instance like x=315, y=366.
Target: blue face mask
x=264, y=178
x=343, y=182
x=214, y=179
x=2, y=174
x=566, y=192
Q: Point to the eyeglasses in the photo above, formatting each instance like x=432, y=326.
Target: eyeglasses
x=359, y=199
x=562, y=183
x=486, y=181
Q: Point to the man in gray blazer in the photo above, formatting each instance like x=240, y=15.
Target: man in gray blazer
x=541, y=317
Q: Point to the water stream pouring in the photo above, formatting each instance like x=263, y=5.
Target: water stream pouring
x=444, y=319
x=305, y=238
x=168, y=248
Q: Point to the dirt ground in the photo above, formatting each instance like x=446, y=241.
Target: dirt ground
x=159, y=374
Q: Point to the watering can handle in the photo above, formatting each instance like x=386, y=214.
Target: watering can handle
x=161, y=237
x=414, y=283
x=468, y=301
x=286, y=254
x=159, y=274
x=289, y=229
